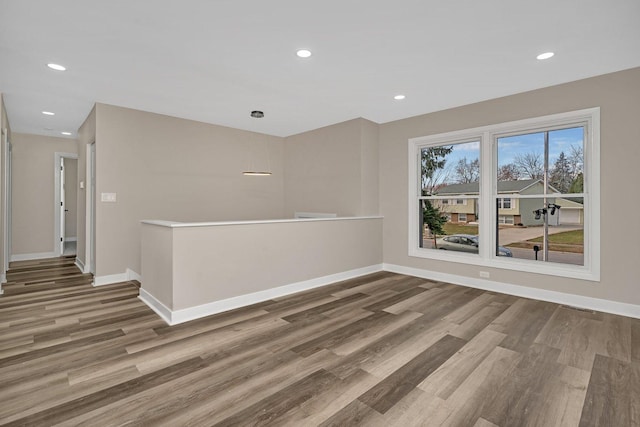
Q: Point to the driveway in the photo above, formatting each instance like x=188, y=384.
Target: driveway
x=510, y=235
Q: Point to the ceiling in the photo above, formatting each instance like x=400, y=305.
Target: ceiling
x=215, y=61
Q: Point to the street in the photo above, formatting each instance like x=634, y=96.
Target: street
x=509, y=235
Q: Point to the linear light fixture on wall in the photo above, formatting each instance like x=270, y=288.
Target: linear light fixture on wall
x=256, y=173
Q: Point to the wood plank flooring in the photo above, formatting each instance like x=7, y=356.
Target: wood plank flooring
x=380, y=350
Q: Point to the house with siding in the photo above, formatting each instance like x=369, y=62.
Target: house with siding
x=511, y=210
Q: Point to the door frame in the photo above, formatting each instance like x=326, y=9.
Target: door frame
x=90, y=211
x=58, y=156
x=6, y=223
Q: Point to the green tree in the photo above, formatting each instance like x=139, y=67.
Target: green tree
x=433, y=161
x=434, y=220
x=577, y=186
x=560, y=176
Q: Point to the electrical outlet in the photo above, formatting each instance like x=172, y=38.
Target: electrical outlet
x=485, y=274
x=108, y=197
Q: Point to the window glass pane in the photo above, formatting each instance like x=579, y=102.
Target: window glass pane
x=456, y=164
x=521, y=162
x=562, y=217
x=451, y=171
x=566, y=160
x=458, y=232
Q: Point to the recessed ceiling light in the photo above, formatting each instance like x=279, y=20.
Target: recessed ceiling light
x=303, y=53
x=48, y=113
x=57, y=67
x=399, y=97
x=66, y=133
x=545, y=55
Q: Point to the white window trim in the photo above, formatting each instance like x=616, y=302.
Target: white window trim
x=487, y=135
x=465, y=217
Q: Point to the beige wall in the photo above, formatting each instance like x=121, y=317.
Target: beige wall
x=33, y=191
x=157, y=262
x=163, y=167
x=71, y=197
x=369, y=168
x=215, y=263
x=333, y=170
x=86, y=136
x=618, y=96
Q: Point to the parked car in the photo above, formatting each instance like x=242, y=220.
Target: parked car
x=465, y=243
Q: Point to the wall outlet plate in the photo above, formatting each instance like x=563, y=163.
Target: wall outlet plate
x=108, y=197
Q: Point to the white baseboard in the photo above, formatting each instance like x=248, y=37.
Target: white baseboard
x=109, y=279
x=174, y=317
x=80, y=264
x=28, y=257
x=155, y=305
x=3, y=279
x=607, y=306
x=117, y=278
x=132, y=275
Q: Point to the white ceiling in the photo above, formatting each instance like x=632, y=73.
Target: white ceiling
x=216, y=60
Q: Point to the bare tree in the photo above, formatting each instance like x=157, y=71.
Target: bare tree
x=508, y=172
x=530, y=165
x=467, y=171
x=576, y=160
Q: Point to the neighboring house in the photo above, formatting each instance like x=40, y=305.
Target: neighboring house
x=510, y=210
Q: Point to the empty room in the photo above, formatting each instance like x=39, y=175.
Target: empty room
x=319, y=213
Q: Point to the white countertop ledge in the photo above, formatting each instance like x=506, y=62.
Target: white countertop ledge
x=176, y=224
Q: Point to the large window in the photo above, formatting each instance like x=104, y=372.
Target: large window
x=543, y=171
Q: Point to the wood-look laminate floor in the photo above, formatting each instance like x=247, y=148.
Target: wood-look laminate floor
x=381, y=350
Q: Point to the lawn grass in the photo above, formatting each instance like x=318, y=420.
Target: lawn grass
x=568, y=241
x=574, y=237
x=452, y=228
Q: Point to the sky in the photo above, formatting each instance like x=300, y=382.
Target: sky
x=509, y=147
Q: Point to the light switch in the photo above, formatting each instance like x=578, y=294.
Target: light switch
x=81, y=185
x=108, y=197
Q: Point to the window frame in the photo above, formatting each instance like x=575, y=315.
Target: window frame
x=488, y=135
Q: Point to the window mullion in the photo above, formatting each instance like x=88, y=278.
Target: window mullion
x=487, y=184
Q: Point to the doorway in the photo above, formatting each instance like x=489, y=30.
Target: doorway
x=66, y=192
